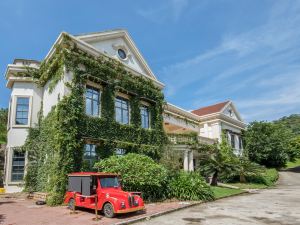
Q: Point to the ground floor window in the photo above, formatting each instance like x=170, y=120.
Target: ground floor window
x=90, y=154
x=18, y=165
x=120, y=151
x=232, y=140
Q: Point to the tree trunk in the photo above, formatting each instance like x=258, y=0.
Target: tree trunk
x=243, y=178
x=214, y=180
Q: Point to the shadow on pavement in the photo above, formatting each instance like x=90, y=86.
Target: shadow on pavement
x=294, y=170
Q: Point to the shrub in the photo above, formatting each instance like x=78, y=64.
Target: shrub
x=139, y=173
x=268, y=177
x=190, y=186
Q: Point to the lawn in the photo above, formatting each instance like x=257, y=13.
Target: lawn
x=293, y=164
x=221, y=192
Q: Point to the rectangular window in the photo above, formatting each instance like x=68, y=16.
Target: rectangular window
x=232, y=140
x=22, y=111
x=122, y=110
x=92, y=101
x=90, y=154
x=120, y=151
x=240, y=143
x=18, y=164
x=145, y=117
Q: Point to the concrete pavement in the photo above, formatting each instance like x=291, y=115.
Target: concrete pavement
x=276, y=206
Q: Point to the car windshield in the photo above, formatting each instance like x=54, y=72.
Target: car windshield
x=107, y=182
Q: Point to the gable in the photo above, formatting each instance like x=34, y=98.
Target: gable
x=231, y=111
x=210, y=109
x=112, y=43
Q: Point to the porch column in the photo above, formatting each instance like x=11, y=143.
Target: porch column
x=186, y=161
x=191, y=161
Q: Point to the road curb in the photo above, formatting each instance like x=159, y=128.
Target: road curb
x=157, y=214
x=132, y=221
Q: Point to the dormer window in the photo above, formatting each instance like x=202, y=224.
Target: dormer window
x=122, y=54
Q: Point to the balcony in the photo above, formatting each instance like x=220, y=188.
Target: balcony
x=189, y=138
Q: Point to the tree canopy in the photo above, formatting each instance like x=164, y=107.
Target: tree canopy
x=3, y=124
x=292, y=122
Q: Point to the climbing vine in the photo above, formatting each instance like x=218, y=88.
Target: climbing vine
x=55, y=146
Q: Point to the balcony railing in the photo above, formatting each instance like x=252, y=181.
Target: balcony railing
x=189, y=138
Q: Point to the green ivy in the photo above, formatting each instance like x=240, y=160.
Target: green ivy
x=55, y=146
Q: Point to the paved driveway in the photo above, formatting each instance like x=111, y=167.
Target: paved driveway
x=278, y=206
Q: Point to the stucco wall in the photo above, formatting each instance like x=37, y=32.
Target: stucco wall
x=106, y=46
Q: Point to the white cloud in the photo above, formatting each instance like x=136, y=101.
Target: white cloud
x=263, y=60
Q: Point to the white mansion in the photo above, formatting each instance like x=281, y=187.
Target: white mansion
x=27, y=98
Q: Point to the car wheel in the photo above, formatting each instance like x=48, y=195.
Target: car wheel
x=108, y=210
x=71, y=204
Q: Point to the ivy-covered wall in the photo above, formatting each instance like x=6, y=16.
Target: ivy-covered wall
x=55, y=146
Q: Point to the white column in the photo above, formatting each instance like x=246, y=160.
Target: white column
x=186, y=160
x=191, y=161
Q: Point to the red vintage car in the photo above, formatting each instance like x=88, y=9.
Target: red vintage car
x=85, y=189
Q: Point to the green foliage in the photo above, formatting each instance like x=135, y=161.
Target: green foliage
x=139, y=173
x=294, y=148
x=268, y=144
x=55, y=146
x=216, y=160
x=3, y=124
x=268, y=177
x=245, y=168
x=190, y=186
x=171, y=159
x=292, y=122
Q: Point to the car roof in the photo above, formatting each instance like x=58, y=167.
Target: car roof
x=87, y=174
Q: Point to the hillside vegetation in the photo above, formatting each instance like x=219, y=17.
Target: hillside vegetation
x=3, y=123
x=292, y=122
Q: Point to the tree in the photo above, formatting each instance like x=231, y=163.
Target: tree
x=292, y=122
x=215, y=159
x=3, y=124
x=268, y=143
x=294, y=148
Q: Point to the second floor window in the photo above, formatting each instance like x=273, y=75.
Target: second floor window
x=122, y=110
x=22, y=111
x=92, y=101
x=145, y=117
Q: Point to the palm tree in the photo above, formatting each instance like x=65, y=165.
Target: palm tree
x=216, y=159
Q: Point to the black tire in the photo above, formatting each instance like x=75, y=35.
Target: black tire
x=108, y=210
x=71, y=204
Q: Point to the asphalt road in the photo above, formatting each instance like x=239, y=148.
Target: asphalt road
x=276, y=206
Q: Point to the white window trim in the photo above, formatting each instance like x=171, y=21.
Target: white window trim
x=9, y=174
x=14, y=108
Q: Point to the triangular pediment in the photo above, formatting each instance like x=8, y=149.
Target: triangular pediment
x=119, y=45
x=231, y=111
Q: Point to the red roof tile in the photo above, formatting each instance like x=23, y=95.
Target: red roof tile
x=210, y=109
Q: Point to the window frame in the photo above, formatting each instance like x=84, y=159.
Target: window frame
x=149, y=116
x=14, y=111
x=90, y=159
x=95, y=88
x=12, y=166
x=128, y=109
x=232, y=140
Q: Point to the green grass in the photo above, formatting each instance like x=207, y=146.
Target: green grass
x=293, y=164
x=249, y=185
x=221, y=192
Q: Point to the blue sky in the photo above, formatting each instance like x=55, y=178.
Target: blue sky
x=204, y=51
